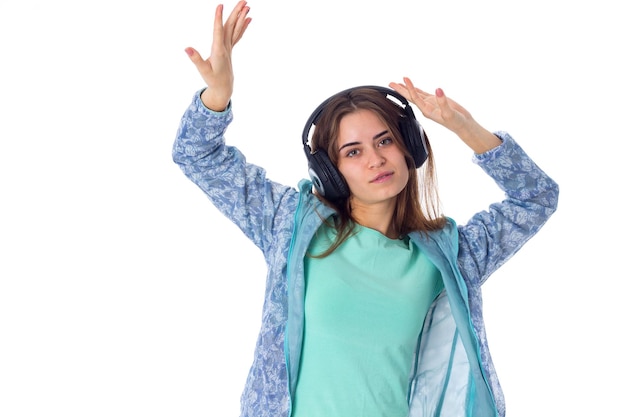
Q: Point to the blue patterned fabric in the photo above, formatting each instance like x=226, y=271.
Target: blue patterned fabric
x=453, y=372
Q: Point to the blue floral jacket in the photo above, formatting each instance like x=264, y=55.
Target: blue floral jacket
x=453, y=374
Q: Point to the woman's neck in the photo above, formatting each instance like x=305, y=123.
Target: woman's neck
x=376, y=216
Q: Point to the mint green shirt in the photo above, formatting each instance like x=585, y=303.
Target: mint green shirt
x=364, y=309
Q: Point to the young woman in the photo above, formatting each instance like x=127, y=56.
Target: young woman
x=373, y=300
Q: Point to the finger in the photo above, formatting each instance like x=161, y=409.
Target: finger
x=218, y=26
x=444, y=105
x=416, y=92
x=403, y=90
x=231, y=22
x=194, y=56
x=416, y=95
x=240, y=28
x=400, y=88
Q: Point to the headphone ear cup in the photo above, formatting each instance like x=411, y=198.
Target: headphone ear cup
x=415, y=140
x=326, y=179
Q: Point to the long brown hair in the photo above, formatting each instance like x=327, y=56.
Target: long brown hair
x=417, y=205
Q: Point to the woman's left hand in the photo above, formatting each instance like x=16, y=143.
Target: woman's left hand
x=448, y=113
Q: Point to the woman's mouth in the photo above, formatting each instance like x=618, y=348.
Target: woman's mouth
x=382, y=177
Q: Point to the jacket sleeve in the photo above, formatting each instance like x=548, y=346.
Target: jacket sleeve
x=238, y=189
x=491, y=237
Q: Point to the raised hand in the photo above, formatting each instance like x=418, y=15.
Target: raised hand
x=217, y=69
x=448, y=113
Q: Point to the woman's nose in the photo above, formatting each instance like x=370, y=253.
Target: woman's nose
x=376, y=160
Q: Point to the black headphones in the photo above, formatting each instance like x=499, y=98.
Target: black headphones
x=326, y=178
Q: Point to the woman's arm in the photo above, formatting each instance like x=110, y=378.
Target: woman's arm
x=239, y=190
x=492, y=236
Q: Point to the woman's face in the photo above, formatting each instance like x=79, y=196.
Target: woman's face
x=370, y=159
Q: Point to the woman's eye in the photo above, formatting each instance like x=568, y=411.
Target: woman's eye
x=352, y=152
x=385, y=141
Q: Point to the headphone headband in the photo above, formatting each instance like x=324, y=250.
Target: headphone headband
x=314, y=117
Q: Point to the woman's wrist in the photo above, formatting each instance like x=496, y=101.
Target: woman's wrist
x=213, y=102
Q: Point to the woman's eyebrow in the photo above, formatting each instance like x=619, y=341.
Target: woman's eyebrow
x=383, y=133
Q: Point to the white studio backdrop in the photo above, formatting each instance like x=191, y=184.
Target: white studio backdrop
x=124, y=292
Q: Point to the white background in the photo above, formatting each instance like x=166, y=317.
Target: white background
x=123, y=292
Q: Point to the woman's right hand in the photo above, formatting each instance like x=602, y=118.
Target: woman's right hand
x=217, y=69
